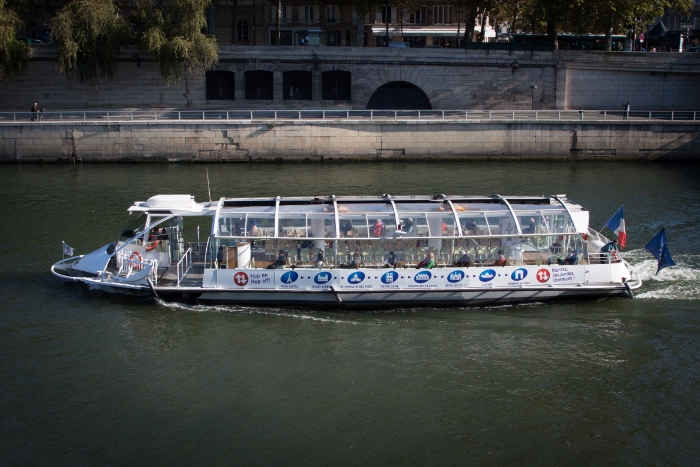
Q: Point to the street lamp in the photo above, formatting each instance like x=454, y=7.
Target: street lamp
x=533, y=96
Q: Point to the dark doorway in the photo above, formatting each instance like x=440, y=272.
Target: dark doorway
x=258, y=85
x=296, y=85
x=399, y=95
x=336, y=85
x=220, y=86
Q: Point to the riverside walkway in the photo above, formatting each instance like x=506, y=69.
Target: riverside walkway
x=264, y=115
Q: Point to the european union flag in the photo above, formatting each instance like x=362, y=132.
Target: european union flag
x=658, y=247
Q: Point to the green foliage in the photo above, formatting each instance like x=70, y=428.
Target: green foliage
x=14, y=55
x=172, y=34
x=89, y=35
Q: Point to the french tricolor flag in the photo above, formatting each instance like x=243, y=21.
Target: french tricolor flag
x=617, y=225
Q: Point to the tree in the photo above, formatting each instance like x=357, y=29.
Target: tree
x=89, y=35
x=172, y=33
x=362, y=8
x=14, y=55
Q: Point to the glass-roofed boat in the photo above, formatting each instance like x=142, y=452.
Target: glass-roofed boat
x=360, y=252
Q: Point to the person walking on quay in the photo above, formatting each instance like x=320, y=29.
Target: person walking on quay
x=627, y=110
x=35, y=112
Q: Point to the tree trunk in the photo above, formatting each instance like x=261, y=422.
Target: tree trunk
x=279, y=22
x=552, y=34
x=469, y=24
x=360, y=33
x=459, y=21
x=388, y=20
x=484, y=17
x=608, y=32
x=187, y=87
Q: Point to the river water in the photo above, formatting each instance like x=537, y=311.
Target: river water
x=95, y=378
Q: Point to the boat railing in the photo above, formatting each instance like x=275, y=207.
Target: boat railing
x=604, y=258
x=598, y=236
x=130, y=266
x=184, y=265
x=246, y=116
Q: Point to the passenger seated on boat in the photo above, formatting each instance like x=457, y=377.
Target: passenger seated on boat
x=500, y=259
x=281, y=260
x=356, y=260
x=571, y=257
x=465, y=260
x=319, y=259
x=530, y=229
x=253, y=229
x=428, y=262
x=391, y=261
x=470, y=227
x=408, y=226
x=555, y=249
x=377, y=228
x=345, y=228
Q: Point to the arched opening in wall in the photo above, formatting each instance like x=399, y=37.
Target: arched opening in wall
x=258, y=85
x=399, y=95
x=296, y=85
x=336, y=85
x=220, y=85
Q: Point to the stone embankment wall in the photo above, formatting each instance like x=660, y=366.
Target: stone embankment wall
x=294, y=140
x=451, y=79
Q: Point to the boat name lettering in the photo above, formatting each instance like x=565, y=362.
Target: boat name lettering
x=262, y=278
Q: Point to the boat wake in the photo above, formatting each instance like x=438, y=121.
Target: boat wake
x=675, y=283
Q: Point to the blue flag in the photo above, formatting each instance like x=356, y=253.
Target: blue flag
x=658, y=247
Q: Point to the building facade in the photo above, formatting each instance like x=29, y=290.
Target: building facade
x=304, y=23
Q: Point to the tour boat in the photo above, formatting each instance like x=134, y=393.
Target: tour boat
x=358, y=252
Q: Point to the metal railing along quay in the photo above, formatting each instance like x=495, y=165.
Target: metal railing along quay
x=242, y=116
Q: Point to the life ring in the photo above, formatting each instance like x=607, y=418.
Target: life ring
x=584, y=237
x=151, y=245
x=138, y=259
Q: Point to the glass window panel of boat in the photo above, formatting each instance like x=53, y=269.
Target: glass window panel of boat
x=232, y=225
x=292, y=225
x=501, y=223
x=134, y=226
x=473, y=217
x=260, y=225
x=353, y=225
x=381, y=225
x=442, y=224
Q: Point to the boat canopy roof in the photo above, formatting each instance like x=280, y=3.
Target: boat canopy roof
x=398, y=216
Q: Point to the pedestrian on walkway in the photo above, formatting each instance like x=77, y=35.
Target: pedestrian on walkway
x=627, y=110
x=35, y=112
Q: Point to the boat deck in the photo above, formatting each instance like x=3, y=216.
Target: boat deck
x=193, y=278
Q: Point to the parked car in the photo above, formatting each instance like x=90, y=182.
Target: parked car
x=399, y=45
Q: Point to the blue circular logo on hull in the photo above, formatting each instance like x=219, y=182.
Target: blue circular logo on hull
x=455, y=276
x=519, y=274
x=487, y=275
x=390, y=277
x=289, y=277
x=356, y=277
x=423, y=276
x=323, y=277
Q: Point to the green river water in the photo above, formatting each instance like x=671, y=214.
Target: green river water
x=96, y=378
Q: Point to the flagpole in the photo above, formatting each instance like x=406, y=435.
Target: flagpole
x=63, y=249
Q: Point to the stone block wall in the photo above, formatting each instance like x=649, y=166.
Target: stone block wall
x=294, y=140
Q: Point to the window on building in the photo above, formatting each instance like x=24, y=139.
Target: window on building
x=332, y=38
x=418, y=17
x=242, y=28
x=296, y=85
x=286, y=14
x=336, y=85
x=308, y=14
x=348, y=40
x=258, y=85
x=220, y=85
x=332, y=14
x=442, y=14
x=386, y=14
